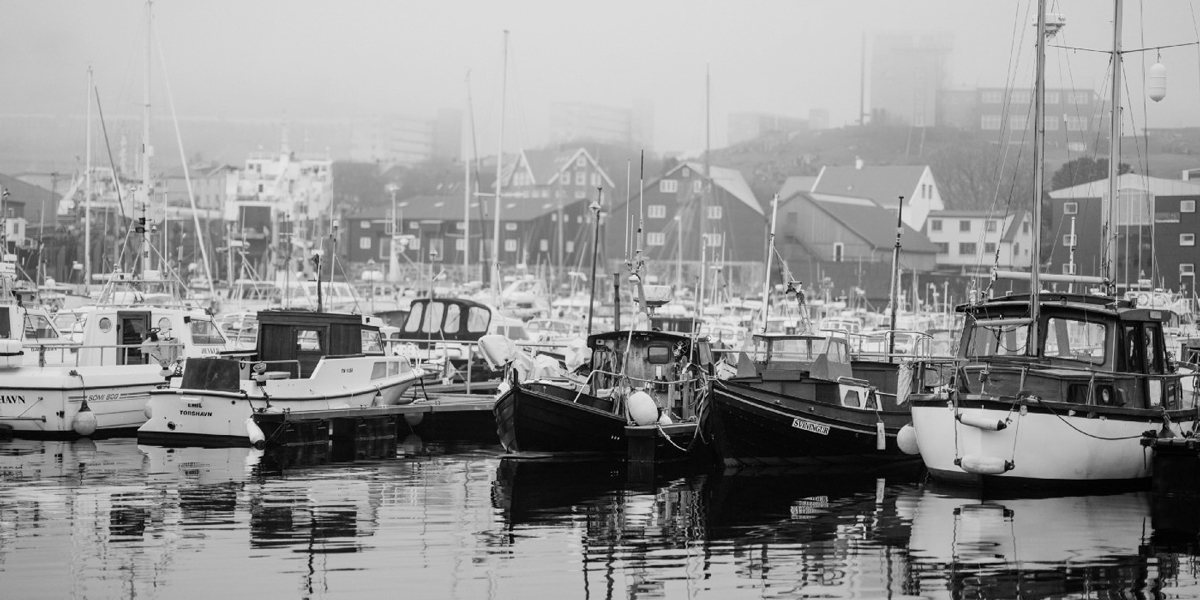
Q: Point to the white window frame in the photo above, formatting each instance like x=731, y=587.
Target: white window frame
x=1187, y=206
x=510, y=245
x=715, y=212
x=543, y=245
x=364, y=243
x=1069, y=240
x=1187, y=239
x=656, y=211
x=510, y=226
x=580, y=178
x=698, y=186
x=460, y=244
x=668, y=186
x=656, y=238
x=935, y=224
x=1187, y=268
x=570, y=246
x=839, y=252
x=1070, y=208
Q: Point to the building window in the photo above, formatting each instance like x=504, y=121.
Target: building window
x=364, y=243
x=942, y=247
x=570, y=246
x=460, y=226
x=964, y=226
x=460, y=245
x=714, y=212
x=989, y=122
x=656, y=239
x=989, y=248
x=1187, y=239
x=580, y=194
x=1080, y=98
x=510, y=226
x=581, y=162
x=595, y=180
x=935, y=225
x=364, y=224
x=1021, y=97
x=1017, y=122
x=1052, y=97
x=1025, y=227
x=1187, y=268
x=1050, y=123
x=967, y=248
x=1187, y=206
x=580, y=177
x=1068, y=269
x=414, y=243
x=414, y=225
x=698, y=186
x=1076, y=123
x=564, y=178
x=1069, y=240
x=993, y=97
x=990, y=226
x=543, y=245
x=510, y=245
x=668, y=186
x=686, y=172
x=839, y=251
x=385, y=248
x=714, y=239
x=1070, y=208
x=656, y=211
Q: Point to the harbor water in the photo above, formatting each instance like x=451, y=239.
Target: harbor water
x=114, y=519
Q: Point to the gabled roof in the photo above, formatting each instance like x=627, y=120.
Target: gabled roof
x=882, y=183
x=730, y=180
x=27, y=193
x=545, y=166
x=869, y=221
x=1129, y=181
x=796, y=183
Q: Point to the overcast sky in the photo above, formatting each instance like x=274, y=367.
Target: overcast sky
x=302, y=59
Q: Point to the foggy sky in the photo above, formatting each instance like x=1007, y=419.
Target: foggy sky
x=305, y=59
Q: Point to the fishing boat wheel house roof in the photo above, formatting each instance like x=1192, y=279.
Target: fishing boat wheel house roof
x=298, y=339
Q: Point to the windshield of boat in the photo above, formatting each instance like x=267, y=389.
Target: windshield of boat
x=39, y=327
x=205, y=332
x=1074, y=339
x=996, y=340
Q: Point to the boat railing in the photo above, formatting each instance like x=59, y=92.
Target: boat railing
x=69, y=353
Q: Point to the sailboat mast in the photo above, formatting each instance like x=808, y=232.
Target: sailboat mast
x=147, y=150
x=87, y=190
x=894, y=288
x=1109, y=202
x=766, y=296
x=1039, y=173
x=499, y=181
x=467, y=191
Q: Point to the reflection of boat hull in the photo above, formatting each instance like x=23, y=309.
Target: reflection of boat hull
x=539, y=417
x=1104, y=449
x=753, y=426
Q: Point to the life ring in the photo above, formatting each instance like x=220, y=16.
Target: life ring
x=1143, y=299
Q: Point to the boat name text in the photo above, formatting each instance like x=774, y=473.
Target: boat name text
x=12, y=399
x=810, y=427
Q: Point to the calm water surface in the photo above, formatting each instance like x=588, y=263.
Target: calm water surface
x=112, y=519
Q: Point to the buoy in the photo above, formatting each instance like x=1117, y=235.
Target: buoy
x=85, y=420
x=1156, y=82
x=665, y=418
x=906, y=439
x=880, y=436
x=981, y=422
x=149, y=412
x=257, y=438
x=642, y=408
x=984, y=465
x=414, y=419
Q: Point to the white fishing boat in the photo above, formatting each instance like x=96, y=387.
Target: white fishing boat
x=1051, y=389
x=303, y=361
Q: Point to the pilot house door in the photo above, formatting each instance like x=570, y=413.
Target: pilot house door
x=132, y=328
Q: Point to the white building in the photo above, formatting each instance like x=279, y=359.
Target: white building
x=968, y=240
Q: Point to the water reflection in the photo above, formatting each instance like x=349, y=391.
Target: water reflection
x=1031, y=547
x=454, y=520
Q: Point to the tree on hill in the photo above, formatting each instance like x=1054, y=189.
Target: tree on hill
x=977, y=175
x=1083, y=170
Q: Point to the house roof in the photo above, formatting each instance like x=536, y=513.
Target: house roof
x=870, y=221
x=730, y=180
x=1129, y=181
x=544, y=166
x=882, y=183
x=27, y=193
x=796, y=183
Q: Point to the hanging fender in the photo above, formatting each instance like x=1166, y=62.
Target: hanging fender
x=980, y=422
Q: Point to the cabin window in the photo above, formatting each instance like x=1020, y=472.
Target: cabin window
x=453, y=316
x=1152, y=338
x=432, y=323
x=852, y=399
x=478, y=319
x=205, y=332
x=658, y=354
x=413, y=322
x=1072, y=339
x=372, y=342
x=39, y=327
x=1000, y=340
x=308, y=340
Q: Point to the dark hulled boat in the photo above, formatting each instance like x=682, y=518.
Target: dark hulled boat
x=799, y=403
x=648, y=379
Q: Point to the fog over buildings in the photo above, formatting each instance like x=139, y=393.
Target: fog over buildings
x=318, y=66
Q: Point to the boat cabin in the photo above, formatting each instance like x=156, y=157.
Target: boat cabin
x=294, y=341
x=457, y=320
x=821, y=357
x=1099, y=351
x=656, y=361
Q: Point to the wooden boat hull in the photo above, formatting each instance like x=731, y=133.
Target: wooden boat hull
x=753, y=426
x=542, y=417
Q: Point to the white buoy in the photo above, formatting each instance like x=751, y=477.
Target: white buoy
x=257, y=438
x=984, y=465
x=642, y=408
x=85, y=420
x=665, y=418
x=146, y=410
x=906, y=439
x=981, y=422
x=1156, y=82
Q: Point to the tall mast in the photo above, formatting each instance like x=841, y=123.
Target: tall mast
x=767, y=279
x=894, y=288
x=468, y=192
x=147, y=150
x=87, y=190
x=1039, y=135
x=1108, y=203
x=499, y=181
